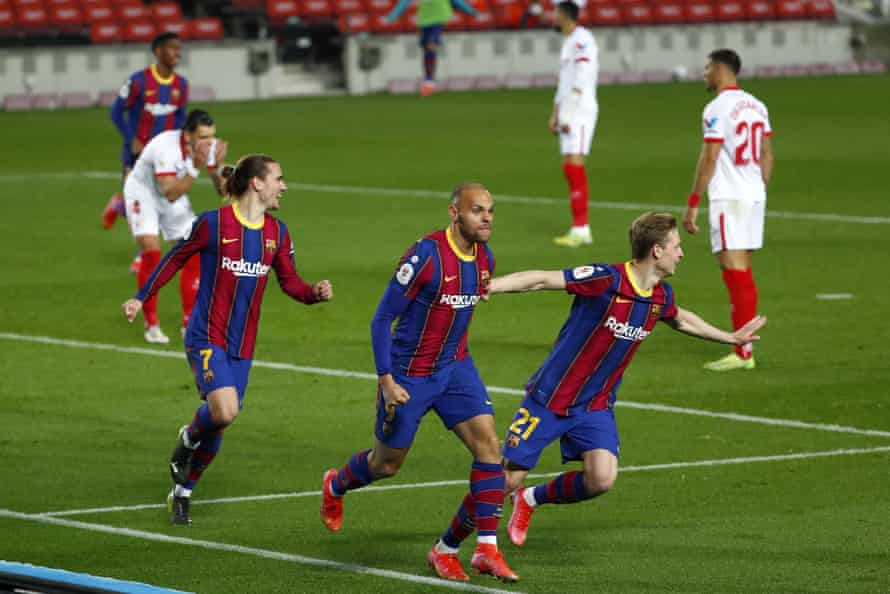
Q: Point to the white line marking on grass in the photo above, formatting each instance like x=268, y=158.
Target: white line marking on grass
x=834, y=296
x=255, y=552
x=463, y=482
x=438, y=195
x=495, y=389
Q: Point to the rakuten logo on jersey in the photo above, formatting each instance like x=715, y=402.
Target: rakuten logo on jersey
x=625, y=331
x=459, y=301
x=160, y=109
x=243, y=268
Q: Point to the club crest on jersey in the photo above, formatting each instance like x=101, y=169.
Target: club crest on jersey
x=512, y=441
x=486, y=278
x=271, y=245
x=656, y=310
x=208, y=376
x=405, y=274
x=242, y=267
x=174, y=94
x=626, y=331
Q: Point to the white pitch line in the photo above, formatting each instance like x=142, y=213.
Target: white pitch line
x=255, y=552
x=730, y=416
x=439, y=195
x=834, y=296
x=463, y=482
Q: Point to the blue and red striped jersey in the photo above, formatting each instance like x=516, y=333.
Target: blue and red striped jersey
x=148, y=105
x=609, y=318
x=443, y=287
x=235, y=261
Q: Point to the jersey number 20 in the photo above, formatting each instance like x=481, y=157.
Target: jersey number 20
x=751, y=140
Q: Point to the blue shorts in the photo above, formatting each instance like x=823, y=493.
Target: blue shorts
x=214, y=368
x=535, y=426
x=431, y=34
x=456, y=393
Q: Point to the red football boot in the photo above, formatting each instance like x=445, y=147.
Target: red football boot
x=446, y=565
x=517, y=527
x=487, y=560
x=114, y=207
x=331, y=507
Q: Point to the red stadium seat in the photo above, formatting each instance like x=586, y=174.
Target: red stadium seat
x=139, y=31
x=179, y=26
x=133, y=12
x=604, y=15
x=98, y=13
x=820, y=9
x=206, y=29
x=760, y=10
x=279, y=11
x=790, y=9
x=165, y=11
x=106, y=33
x=637, y=13
x=379, y=25
x=22, y=4
x=730, y=11
x=508, y=16
x=699, y=11
x=315, y=9
x=379, y=6
x=354, y=23
x=481, y=22
x=66, y=15
x=348, y=7
x=7, y=20
x=32, y=16
x=667, y=13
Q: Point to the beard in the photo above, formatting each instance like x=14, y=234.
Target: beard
x=467, y=232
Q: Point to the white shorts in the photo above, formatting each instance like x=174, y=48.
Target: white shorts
x=736, y=224
x=149, y=215
x=579, y=137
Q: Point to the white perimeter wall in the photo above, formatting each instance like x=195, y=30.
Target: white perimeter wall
x=636, y=49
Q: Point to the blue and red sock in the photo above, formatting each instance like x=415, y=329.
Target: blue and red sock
x=202, y=457
x=462, y=524
x=487, y=490
x=566, y=488
x=202, y=425
x=430, y=56
x=355, y=475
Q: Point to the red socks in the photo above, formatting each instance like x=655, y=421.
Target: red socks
x=743, y=298
x=150, y=259
x=578, y=194
x=189, y=277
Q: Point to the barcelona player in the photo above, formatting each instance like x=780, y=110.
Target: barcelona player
x=238, y=245
x=151, y=101
x=424, y=364
x=572, y=395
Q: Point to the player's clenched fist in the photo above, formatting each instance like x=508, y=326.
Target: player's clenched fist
x=393, y=393
x=689, y=218
x=323, y=290
x=131, y=308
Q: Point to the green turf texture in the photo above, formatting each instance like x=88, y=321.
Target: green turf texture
x=85, y=428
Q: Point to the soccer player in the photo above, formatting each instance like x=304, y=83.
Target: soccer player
x=432, y=15
x=574, y=115
x=735, y=165
x=151, y=101
x=157, y=203
x=424, y=364
x=238, y=244
x=572, y=395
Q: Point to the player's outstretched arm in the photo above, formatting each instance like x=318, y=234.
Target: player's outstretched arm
x=528, y=280
x=690, y=323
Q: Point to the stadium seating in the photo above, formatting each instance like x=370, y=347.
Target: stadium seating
x=206, y=29
x=279, y=11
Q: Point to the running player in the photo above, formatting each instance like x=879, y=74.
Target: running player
x=237, y=244
x=574, y=115
x=735, y=165
x=432, y=16
x=424, y=364
x=572, y=395
x=155, y=194
x=151, y=101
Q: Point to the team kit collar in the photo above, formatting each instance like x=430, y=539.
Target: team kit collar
x=456, y=250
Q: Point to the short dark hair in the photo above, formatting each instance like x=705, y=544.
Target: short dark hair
x=238, y=177
x=728, y=58
x=162, y=39
x=195, y=118
x=649, y=229
x=462, y=187
x=569, y=8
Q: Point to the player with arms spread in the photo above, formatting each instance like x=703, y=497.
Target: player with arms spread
x=424, y=364
x=238, y=244
x=735, y=165
x=572, y=395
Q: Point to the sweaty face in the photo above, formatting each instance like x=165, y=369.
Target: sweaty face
x=202, y=137
x=671, y=254
x=168, y=54
x=272, y=186
x=474, y=215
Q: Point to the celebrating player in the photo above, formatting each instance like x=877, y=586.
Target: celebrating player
x=735, y=165
x=424, y=363
x=151, y=101
x=237, y=245
x=572, y=395
x=432, y=15
x=574, y=115
x=156, y=199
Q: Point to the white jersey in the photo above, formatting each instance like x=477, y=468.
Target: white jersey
x=739, y=121
x=164, y=155
x=578, y=70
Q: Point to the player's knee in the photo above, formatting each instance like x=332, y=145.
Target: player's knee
x=488, y=449
x=598, y=483
x=382, y=469
x=225, y=416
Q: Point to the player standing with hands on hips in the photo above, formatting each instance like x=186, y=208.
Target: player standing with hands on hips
x=238, y=244
x=574, y=115
x=735, y=165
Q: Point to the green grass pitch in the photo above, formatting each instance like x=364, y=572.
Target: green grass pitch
x=84, y=428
